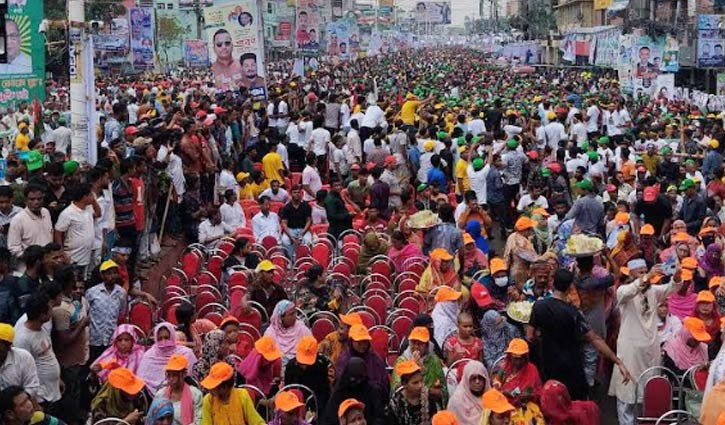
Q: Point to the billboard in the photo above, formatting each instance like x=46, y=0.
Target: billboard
x=196, y=53
x=142, y=37
x=342, y=40
x=236, y=51
x=23, y=77
x=710, y=41
x=429, y=12
x=307, y=31
x=283, y=33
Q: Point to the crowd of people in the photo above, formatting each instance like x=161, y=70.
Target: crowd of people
x=434, y=157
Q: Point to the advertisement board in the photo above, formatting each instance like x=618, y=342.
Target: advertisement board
x=429, y=12
x=23, y=77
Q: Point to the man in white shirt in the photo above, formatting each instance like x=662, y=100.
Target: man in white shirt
x=231, y=212
x=305, y=127
x=477, y=126
x=477, y=173
x=311, y=181
x=578, y=130
x=227, y=181
x=374, y=117
x=593, y=118
x=554, y=132
x=17, y=366
x=275, y=193
x=354, y=143
x=75, y=230
x=61, y=136
x=320, y=139
x=132, y=109
x=211, y=230
x=266, y=223
x=533, y=198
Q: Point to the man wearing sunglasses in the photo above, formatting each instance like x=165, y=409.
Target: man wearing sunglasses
x=227, y=72
x=250, y=78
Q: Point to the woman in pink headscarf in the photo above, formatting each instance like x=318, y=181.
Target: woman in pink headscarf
x=286, y=330
x=153, y=363
x=466, y=400
x=688, y=348
x=124, y=352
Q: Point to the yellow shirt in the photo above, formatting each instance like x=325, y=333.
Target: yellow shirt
x=273, y=166
x=462, y=175
x=22, y=141
x=257, y=189
x=245, y=192
x=238, y=410
x=408, y=110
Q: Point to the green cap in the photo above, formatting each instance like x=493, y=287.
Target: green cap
x=512, y=143
x=422, y=187
x=585, y=145
x=545, y=172
x=585, y=184
x=689, y=161
x=604, y=140
x=686, y=184
x=34, y=161
x=441, y=135
x=593, y=156
x=477, y=164
x=666, y=150
x=70, y=167
x=475, y=139
x=461, y=141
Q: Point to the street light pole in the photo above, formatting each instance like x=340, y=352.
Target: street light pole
x=78, y=71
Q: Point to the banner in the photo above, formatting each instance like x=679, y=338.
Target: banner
x=23, y=77
x=191, y=4
x=428, y=12
x=602, y=4
x=607, y=48
x=196, y=53
x=525, y=53
x=142, y=37
x=307, y=31
x=720, y=83
x=664, y=87
x=236, y=52
x=710, y=41
x=283, y=34
x=342, y=40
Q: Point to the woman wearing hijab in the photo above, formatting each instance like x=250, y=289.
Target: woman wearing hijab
x=465, y=402
x=669, y=325
x=372, y=246
x=216, y=348
x=519, y=251
x=262, y=367
x=359, y=348
x=559, y=409
x=681, y=303
x=709, y=265
x=541, y=238
x=445, y=314
x=286, y=330
x=186, y=399
x=288, y=410
x=161, y=412
x=473, y=228
x=151, y=369
x=402, y=249
x=625, y=248
x=123, y=352
x=440, y=272
x=688, y=348
x=496, y=333
x=119, y=398
x=354, y=383
x=519, y=380
x=707, y=311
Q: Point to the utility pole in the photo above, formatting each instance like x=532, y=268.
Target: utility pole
x=78, y=75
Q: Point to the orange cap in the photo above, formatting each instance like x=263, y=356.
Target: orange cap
x=497, y=265
x=518, y=347
x=687, y=275
x=444, y=417
x=496, y=402
x=124, y=380
x=624, y=270
x=219, y=372
x=705, y=297
x=689, y=263
x=655, y=278
x=621, y=218
x=707, y=230
x=681, y=237
x=441, y=254
x=359, y=333
x=348, y=404
x=351, y=319
x=715, y=282
x=267, y=348
x=419, y=333
x=721, y=419
x=467, y=238
x=228, y=321
x=697, y=329
x=446, y=293
x=540, y=211
x=177, y=363
x=307, y=350
x=406, y=367
x=287, y=401
x=647, y=229
x=524, y=223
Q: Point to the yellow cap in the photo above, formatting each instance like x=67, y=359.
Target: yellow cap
x=241, y=176
x=108, y=264
x=7, y=333
x=265, y=266
x=429, y=145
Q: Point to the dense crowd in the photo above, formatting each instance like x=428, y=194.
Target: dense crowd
x=452, y=190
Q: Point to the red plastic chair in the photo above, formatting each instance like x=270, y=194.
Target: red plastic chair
x=316, y=229
x=380, y=341
x=214, y=266
x=238, y=279
x=215, y=316
x=176, y=277
x=303, y=251
x=322, y=327
x=252, y=317
x=269, y=242
x=276, y=206
x=191, y=263
x=321, y=254
x=342, y=268
x=296, y=178
x=407, y=285
x=207, y=278
x=204, y=298
x=656, y=389
x=382, y=268
x=280, y=261
x=401, y=326
x=380, y=306
x=236, y=296
x=141, y=314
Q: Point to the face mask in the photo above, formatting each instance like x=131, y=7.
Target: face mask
x=501, y=281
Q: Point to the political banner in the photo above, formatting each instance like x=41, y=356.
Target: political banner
x=191, y=4
x=23, y=76
x=710, y=49
x=428, y=12
x=196, y=53
x=142, y=37
x=720, y=83
x=283, y=33
x=307, y=31
x=607, y=48
x=664, y=87
x=236, y=51
x=342, y=40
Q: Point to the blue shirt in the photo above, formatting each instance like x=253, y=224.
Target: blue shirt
x=710, y=163
x=105, y=308
x=437, y=177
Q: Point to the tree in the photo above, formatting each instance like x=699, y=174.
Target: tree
x=170, y=34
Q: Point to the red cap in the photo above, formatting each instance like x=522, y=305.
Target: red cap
x=480, y=294
x=130, y=130
x=533, y=154
x=650, y=194
x=201, y=115
x=611, y=188
x=555, y=167
x=219, y=110
x=641, y=169
x=390, y=159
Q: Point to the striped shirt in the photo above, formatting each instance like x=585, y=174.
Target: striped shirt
x=123, y=203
